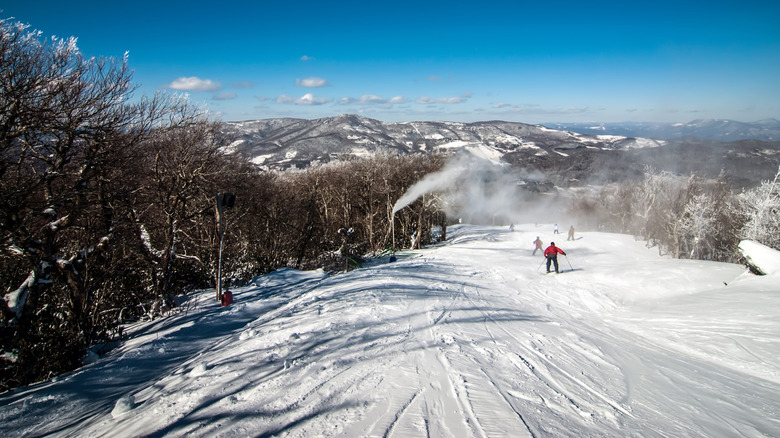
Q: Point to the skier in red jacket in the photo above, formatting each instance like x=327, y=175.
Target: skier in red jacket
x=551, y=253
x=538, y=243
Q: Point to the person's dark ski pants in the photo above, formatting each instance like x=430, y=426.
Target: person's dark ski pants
x=552, y=259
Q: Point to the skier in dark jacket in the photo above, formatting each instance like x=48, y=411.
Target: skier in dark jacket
x=551, y=253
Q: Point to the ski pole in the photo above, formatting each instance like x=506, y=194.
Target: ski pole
x=567, y=261
x=540, y=265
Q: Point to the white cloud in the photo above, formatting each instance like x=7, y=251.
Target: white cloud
x=425, y=100
x=371, y=99
x=434, y=78
x=306, y=99
x=306, y=58
x=312, y=82
x=451, y=100
x=227, y=95
x=535, y=109
x=285, y=99
x=194, y=83
x=309, y=99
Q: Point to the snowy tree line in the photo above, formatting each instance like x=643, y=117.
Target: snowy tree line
x=108, y=205
x=686, y=217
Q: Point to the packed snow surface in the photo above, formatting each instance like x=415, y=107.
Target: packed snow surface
x=466, y=338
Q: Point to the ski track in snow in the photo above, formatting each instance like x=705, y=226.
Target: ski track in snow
x=465, y=339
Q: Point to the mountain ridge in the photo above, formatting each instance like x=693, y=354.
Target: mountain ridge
x=565, y=157
x=706, y=129
x=298, y=143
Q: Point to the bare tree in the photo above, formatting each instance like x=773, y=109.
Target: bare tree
x=183, y=167
x=69, y=139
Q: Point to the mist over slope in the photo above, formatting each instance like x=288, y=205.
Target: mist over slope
x=563, y=158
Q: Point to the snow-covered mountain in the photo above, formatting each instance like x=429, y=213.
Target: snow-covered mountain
x=284, y=143
x=565, y=158
x=706, y=129
x=466, y=338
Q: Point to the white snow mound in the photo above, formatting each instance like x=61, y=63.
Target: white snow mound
x=761, y=256
x=123, y=406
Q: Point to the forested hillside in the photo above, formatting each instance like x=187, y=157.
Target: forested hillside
x=108, y=205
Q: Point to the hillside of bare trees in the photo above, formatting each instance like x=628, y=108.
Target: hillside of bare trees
x=108, y=207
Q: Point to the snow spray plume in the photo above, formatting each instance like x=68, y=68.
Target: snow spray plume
x=486, y=190
x=469, y=187
x=433, y=182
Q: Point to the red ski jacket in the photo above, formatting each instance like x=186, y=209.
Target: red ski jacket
x=553, y=250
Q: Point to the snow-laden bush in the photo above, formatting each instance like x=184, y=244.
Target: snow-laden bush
x=687, y=217
x=761, y=207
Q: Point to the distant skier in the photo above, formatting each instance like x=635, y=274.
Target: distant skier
x=555, y=231
x=538, y=243
x=571, y=233
x=551, y=253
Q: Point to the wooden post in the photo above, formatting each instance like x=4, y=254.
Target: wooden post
x=219, y=246
x=443, y=218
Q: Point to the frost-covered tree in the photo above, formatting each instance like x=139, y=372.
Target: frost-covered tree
x=658, y=203
x=697, y=224
x=686, y=217
x=62, y=118
x=761, y=207
x=69, y=143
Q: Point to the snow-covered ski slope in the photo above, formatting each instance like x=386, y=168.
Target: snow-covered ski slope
x=466, y=338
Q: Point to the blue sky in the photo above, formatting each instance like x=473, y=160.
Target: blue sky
x=533, y=62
